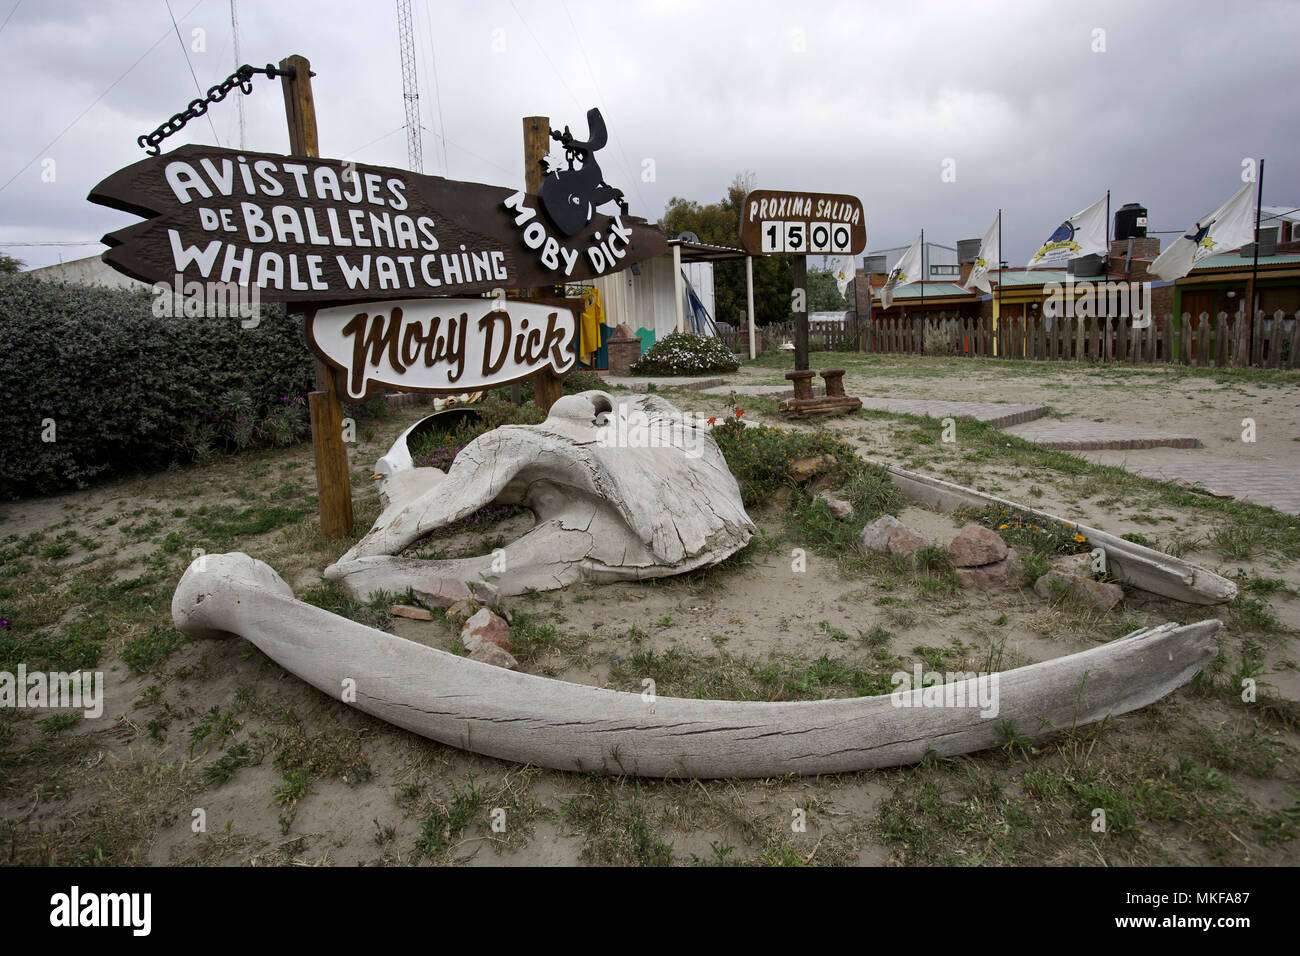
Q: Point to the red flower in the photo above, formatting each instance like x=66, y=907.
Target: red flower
x=739, y=412
x=713, y=421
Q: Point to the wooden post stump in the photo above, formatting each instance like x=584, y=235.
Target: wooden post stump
x=834, y=378
x=802, y=382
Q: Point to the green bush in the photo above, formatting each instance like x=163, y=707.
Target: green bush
x=128, y=391
x=682, y=353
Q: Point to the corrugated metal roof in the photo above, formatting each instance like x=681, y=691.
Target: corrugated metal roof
x=706, y=251
x=1233, y=260
x=932, y=290
x=1012, y=277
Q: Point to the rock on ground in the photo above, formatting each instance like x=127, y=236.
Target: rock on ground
x=485, y=628
x=462, y=608
x=837, y=506
x=1099, y=595
x=903, y=540
x=999, y=574
x=410, y=613
x=975, y=546
x=875, y=536
x=805, y=469
x=1080, y=564
x=488, y=653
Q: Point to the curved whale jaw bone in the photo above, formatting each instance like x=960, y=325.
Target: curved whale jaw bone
x=531, y=719
x=604, y=512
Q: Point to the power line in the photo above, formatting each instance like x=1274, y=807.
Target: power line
x=90, y=242
x=437, y=91
x=465, y=149
x=627, y=165
x=186, y=50
x=11, y=15
x=94, y=103
x=545, y=55
x=352, y=152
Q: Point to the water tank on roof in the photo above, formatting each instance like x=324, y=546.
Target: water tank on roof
x=968, y=250
x=1087, y=266
x=1131, y=221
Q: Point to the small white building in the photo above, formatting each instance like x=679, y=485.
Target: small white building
x=651, y=298
x=91, y=270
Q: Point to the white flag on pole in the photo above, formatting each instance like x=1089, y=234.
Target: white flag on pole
x=990, y=257
x=908, y=270
x=1083, y=234
x=1231, y=226
x=844, y=273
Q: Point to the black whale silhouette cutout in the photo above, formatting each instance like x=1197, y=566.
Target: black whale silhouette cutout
x=572, y=196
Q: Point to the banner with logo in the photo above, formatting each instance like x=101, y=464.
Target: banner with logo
x=1083, y=234
x=990, y=257
x=907, y=271
x=1231, y=226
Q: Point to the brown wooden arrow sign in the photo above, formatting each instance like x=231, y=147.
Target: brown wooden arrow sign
x=305, y=229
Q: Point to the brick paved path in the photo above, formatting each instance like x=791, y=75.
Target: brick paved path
x=1076, y=435
x=1260, y=483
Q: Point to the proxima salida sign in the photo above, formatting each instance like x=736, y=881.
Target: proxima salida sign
x=443, y=345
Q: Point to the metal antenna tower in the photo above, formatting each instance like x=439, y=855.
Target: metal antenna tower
x=410, y=88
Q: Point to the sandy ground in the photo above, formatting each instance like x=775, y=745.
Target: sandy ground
x=767, y=613
x=1157, y=398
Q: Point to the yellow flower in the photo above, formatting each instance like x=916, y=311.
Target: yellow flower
x=1080, y=538
x=1003, y=527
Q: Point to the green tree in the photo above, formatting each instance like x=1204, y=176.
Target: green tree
x=824, y=292
x=718, y=224
x=9, y=265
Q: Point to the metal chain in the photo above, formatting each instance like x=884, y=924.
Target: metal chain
x=242, y=77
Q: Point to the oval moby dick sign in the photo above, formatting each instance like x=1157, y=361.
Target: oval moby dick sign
x=443, y=345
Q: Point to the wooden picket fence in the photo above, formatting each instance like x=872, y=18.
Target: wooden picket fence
x=1199, y=341
x=770, y=337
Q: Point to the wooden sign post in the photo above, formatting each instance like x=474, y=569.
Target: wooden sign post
x=547, y=385
x=333, y=483
x=802, y=224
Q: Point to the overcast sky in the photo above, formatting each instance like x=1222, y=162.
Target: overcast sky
x=861, y=98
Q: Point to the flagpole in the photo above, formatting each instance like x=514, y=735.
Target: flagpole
x=1254, y=267
x=924, y=269
x=999, y=309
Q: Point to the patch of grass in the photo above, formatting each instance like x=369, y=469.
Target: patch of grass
x=611, y=815
x=331, y=597
x=215, y=727
x=224, y=527
x=293, y=787
x=147, y=651
x=60, y=722
x=228, y=764
x=1236, y=541
x=679, y=673
x=1254, y=612
x=443, y=823
x=77, y=646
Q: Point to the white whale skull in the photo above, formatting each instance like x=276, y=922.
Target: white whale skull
x=622, y=489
